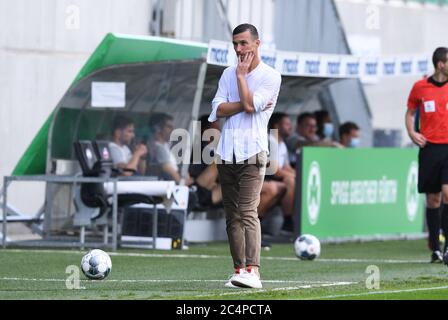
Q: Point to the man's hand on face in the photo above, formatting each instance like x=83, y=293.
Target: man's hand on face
x=244, y=62
x=141, y=150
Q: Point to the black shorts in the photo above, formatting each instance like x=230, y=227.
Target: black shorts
x=433, y=168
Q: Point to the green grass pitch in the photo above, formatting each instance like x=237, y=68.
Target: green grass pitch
x=201, y=271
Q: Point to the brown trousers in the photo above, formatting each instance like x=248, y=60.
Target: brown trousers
x=241, y=186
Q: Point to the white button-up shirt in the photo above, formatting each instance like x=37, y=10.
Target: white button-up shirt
x=246, y=134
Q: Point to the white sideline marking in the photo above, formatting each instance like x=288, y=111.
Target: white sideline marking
x=374, y=260
x=160, y=280
x=252, y=291
x=203, y=256
x=377, y=292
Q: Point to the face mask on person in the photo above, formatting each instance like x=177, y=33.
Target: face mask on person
x=355, y=142
x=328, y=130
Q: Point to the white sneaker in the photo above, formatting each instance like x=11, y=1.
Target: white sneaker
x=229, y=284
x=247, y=279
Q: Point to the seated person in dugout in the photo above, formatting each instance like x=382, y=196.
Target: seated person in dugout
x=325, y=126
x=205, y=175
x=279, y=169
x=162, y=161
x=306, y=135
x=349, y=135
x=120, y=152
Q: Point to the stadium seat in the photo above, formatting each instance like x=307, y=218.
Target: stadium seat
x=95, y=162
x=102, y=152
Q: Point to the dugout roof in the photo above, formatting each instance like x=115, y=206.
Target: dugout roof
x=160, y=75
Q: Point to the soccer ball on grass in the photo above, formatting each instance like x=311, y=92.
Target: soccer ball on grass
x=96, y=264
x=307, y=247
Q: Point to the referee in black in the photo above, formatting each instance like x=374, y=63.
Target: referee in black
x=430, y=98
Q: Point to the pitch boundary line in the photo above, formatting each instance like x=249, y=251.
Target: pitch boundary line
x=157, y=280
x=204, y=256
x=238, y=291
x=377, y=293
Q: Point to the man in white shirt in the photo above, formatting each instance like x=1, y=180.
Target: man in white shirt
x=246, y=97
x=122, y=157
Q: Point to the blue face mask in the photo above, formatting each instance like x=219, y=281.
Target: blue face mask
x=328, y=130
x=355, y=142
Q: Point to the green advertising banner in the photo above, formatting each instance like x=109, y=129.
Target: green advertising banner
x=360, y=193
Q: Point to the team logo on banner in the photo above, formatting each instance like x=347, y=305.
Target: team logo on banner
x=289, y=63
x=412, y=195
x=269, y=59
x=314, y=193
x=220, y=54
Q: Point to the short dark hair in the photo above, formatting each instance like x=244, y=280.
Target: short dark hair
x=158, y=121
x=303, y=116
x=245, y=27
x=321, y=115
x=276, y=118
x=121, y=123
x=347, y=127
x=439, y=55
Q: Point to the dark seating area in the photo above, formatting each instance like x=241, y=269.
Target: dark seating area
x=94, y=159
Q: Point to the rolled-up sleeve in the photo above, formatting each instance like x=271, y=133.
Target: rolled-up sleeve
x=220, y=97
x=268, y=91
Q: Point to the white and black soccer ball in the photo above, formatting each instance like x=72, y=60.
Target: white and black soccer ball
x=96, y=264
x=307, y=247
